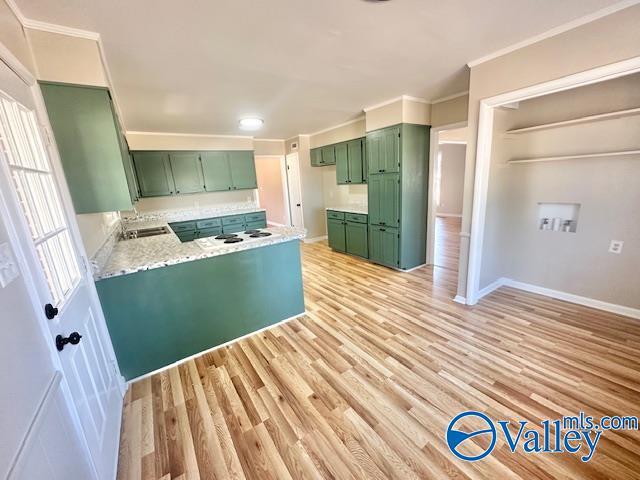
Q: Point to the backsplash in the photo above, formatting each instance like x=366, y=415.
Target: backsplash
x=179, y=214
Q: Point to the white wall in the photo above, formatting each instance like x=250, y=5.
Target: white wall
x=452, y=178
x=608, y=190
x=271, y=188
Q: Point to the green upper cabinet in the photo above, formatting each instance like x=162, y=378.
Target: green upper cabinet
x=316, y=157
x=384, y=199
x=177, y=172
x=217, y=174
x=154, y=174
x=355, y=157
x=342, y=164
x=87, y=137
x=329, y=155
x=187, y=172
x=383, y=150
x=243, y=170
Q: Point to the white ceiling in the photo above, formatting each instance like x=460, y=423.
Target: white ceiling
x=302, y=65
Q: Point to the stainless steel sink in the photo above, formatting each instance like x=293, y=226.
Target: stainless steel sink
x=146, y=232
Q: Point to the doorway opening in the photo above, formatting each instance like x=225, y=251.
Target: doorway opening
x=273, y=192
x=447, y=191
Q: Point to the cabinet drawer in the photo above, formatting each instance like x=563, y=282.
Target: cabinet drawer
x=355, y=217
x=183, y=226
x=234, y=228
x=234, y=220
x=335, y=215
x=209, y=232
x=186, y=236
x=208, y=223
x=254, y=217
x=257, y=224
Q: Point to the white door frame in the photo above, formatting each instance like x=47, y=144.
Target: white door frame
x=483, y=154
x=19, y=241
x=431, y=208
x=293, y=155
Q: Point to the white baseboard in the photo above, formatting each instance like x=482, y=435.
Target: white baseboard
x=230, y=342
x=460, y=299
x=315, y=239
x=567, y=297
x=455, y=215
x=410, y=269
x=570, y=297
x=491, y=287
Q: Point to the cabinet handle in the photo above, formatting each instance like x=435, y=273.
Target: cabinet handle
x=383, y=223
x=177, y=191
x=380, y=171
x=229, y=188
x=382, y=229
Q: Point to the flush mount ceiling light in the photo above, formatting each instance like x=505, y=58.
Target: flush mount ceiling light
x=251, y=123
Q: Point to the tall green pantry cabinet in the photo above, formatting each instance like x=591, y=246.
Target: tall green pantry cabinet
x=397, y=167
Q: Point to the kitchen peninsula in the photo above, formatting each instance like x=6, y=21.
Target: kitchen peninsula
x=166, y=299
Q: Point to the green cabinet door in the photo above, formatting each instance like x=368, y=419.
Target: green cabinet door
x=316, y=157
x=357, y=239
x=342, y=164
x=86, y=135
x=391, y=150
x=354, y=154
x=127, y=161
x=187, y=172
x=243, y=170
x=215, y=168
x=329, y=155
x=154, y=174
x=383, y=150
x=384, y=199
x=383, y=243
x=336, y=234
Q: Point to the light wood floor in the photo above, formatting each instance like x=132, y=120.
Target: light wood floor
x=365, y=384
x=447, y=244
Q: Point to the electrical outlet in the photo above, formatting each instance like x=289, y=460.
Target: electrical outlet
x=616, y=246
x=8, y=266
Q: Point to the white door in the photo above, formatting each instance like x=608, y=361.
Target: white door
x=39, y=209
x=295, y=192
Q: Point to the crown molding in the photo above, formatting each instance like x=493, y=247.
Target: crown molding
x=61, y=29
x=328, y=129
x=199, y=135
x=555, y=31
x=449, y=97
x=268, y=140
x=397, y=99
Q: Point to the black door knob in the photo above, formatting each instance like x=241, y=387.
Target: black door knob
x=50, y=311
x=297, y=204
x=73, y=339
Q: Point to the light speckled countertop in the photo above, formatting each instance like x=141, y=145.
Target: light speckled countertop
x=350, y=209
x=136, y=255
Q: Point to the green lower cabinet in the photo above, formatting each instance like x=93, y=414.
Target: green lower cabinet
x=357, y=239
x=383, y=243
x=209, y=232
x=187, y=236
x=256, y=225
x=336, y=234
x=180, y=310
